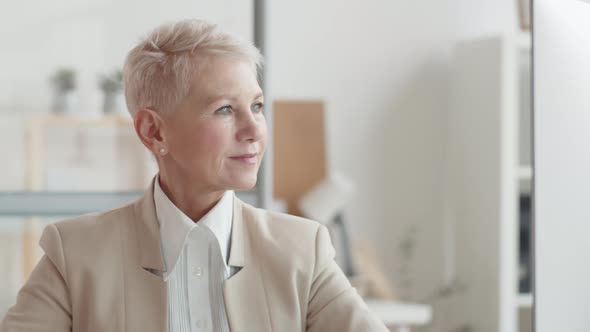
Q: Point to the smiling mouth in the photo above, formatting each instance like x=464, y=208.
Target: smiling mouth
x=248, y=155
x=250, y=159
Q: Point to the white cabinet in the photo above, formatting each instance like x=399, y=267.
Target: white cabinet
x=487, y=131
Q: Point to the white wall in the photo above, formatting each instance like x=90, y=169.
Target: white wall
x=381, y=69
x=92, y=36
x=472, y=19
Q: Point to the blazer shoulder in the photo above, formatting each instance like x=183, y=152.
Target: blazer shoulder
x=286, y=237
x=94, y=223
x=290, y=220
x=286, y=225
x=88, y=236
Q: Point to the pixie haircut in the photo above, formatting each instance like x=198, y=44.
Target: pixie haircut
x=158, y=71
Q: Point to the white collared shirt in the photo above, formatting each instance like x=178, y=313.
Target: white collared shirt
x=187, y=248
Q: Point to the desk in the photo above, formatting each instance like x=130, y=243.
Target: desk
x=400, y=315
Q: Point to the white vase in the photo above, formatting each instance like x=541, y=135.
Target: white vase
x=114, y=103
x=65, y=102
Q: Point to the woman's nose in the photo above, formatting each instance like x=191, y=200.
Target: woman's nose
x=250, y=128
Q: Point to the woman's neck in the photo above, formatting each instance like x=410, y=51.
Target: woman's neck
x=189, y=198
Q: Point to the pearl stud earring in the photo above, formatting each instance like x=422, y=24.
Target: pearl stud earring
x=162, y=151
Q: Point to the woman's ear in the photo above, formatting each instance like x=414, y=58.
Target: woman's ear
x=149, y=127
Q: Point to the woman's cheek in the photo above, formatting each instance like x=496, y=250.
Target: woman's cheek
x=215, y=140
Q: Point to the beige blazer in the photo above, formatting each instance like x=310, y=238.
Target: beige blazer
x=100, y=272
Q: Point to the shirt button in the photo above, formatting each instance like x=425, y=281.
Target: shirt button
x=198, y=271
x=201, y=324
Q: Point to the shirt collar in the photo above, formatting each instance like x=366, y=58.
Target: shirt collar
x=175, y=226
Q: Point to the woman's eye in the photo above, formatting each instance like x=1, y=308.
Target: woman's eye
x=258, y=108
x=224, y=110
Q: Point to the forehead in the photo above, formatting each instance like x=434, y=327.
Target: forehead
x=220, y=75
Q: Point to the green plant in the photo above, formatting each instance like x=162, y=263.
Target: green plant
x=64, y=79
x=111, y=83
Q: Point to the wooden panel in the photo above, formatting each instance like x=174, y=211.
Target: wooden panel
x=299, y=149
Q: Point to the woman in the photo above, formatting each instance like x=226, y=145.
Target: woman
x=189, y=255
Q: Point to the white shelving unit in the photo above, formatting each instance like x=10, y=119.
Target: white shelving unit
x=525, y=301
x=488, y=168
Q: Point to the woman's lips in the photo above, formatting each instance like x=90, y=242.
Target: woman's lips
x=247, y=158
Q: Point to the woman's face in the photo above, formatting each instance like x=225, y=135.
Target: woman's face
x=217, y=137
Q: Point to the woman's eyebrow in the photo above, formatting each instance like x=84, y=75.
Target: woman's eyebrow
x=209, y=100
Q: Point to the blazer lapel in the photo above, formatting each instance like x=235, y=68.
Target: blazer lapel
x=146, y=294
x=244, y=293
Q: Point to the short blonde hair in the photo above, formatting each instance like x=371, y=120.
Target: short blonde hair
x=158, y=71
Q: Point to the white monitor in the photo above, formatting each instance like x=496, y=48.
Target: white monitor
x=561, y=39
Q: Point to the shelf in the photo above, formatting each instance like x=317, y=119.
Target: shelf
x=524, y=300
x=525, y=173
x=48, y=204
x=524, y=40
x=400, y=314
x=524, y=176
x=78, y=120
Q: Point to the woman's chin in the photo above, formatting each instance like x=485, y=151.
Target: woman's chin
x=245, y=184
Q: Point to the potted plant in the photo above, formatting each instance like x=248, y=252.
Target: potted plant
x=64, y=85
x=112, y=88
